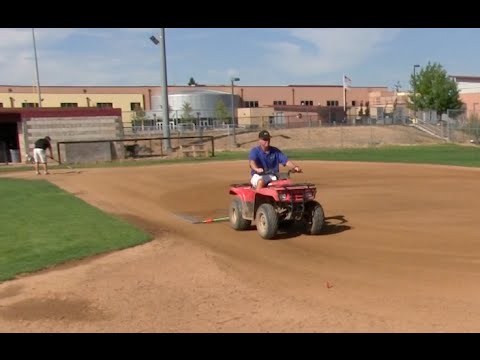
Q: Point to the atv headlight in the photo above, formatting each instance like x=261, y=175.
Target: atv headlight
x=282, y=196
x=309, y=195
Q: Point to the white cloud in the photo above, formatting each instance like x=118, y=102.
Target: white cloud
x=77, y=56
x=126, y=56
x=322, y=51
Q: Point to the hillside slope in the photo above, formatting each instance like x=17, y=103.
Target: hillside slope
x=330, y=137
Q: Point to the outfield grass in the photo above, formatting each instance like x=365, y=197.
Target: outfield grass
x=443, y=154
x=41, y=226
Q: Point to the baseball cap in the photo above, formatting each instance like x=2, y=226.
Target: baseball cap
x=264, y=135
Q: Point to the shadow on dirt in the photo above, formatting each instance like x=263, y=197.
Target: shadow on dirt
x=335, y=225
x=332, y=225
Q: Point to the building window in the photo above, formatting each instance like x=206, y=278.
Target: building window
x=68, y=104
x=306, y=102
x=1, y=105
x=280, y=102
x=332, y=102
x=105, y=105
x=354, y=103
x=29, y=105
x=251, y=104
x=135, y=106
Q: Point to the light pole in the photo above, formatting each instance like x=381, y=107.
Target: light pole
x=36, y=69
x=233, y=79
x=165, y=107
x=198, y=122
x=415, y=93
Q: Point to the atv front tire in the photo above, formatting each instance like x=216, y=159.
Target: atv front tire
x=316, y=218
x=266, y=220
x=235, y=215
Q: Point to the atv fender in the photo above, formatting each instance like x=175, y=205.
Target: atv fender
x=247, y=196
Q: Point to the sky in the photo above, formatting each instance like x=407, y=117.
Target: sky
x=212, y=56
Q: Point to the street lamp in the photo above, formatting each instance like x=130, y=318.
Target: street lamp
x=36, y=69
x=233, y=79
x=198, y=122
x=165, y=107
x=415, y=92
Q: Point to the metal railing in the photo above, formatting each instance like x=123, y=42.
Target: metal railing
x=136, y=146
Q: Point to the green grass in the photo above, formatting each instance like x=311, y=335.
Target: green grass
x=446, y=154
x=443, y=154
x=41, y=226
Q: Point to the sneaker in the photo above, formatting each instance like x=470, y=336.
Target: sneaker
x=47, y=173
x=38, y=173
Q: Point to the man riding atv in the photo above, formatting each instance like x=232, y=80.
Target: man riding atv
x=272, y=198
x=265, y=160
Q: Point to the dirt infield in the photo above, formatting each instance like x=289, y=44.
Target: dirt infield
x=399, y=254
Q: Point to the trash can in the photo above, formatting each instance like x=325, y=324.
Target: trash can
x=15, y=155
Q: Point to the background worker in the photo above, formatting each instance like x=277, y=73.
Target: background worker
x=40, y=154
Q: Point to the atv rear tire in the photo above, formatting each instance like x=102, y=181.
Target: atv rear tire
x=266, y=220
x=316, y=218
x=235, y=215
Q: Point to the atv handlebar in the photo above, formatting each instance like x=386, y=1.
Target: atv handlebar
x=281, y=175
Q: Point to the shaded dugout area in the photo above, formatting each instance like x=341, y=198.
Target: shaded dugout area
x=9, y=146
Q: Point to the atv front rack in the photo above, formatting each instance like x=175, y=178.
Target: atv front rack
x=241, y=185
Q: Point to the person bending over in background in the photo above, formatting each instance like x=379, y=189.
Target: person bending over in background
x=40, y=154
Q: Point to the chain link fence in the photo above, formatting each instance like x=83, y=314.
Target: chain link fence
x=457, y=126
x=463, y=126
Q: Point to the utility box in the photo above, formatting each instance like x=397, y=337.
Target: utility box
x=15, y=155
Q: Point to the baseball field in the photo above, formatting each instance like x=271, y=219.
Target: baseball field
x=399, y=253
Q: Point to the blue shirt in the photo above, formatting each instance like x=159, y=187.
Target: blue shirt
x=268, y=161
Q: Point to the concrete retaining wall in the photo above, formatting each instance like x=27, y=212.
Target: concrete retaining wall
x=90, y=128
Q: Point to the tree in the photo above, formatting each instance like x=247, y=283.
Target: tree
x=192, y=82
x=434, y=90
x=138, y=117
x=221, y=111
x=187, y=112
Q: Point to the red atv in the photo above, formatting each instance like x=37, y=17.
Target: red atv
x=281, y=202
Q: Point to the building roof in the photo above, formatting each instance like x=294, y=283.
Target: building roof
x=58, y=112
x=465, y=78
x=197, y=92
